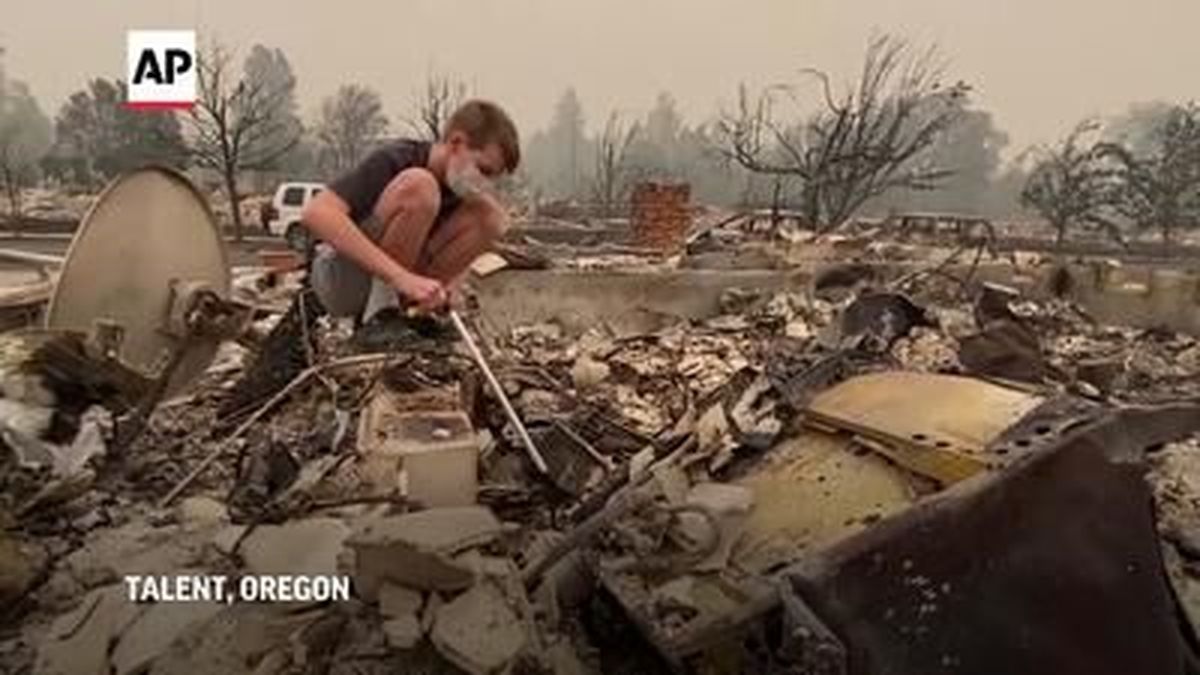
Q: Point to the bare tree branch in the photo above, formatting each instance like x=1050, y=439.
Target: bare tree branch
x=240, y=123
x=611, y=183
x=433, y=105
x=858, y=144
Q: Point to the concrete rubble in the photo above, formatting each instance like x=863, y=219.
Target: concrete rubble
x=478, y=631
x=731, y=488
x=421, y=550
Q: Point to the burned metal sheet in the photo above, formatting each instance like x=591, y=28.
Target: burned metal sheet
x=964, y=412
x=877, y=320
x=1051, y=565
x=935, y=425
x=573, y=463
x=812, y=490
x=1045, y=425
x=1006, y=349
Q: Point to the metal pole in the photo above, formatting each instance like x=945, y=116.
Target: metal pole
x=30, y=258
x=530, y=448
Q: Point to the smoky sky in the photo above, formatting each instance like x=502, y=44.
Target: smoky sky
x=1039, y=66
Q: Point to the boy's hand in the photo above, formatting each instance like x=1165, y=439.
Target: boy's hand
x=429, y=294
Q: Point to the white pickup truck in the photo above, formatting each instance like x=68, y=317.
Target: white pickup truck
x=282, y=215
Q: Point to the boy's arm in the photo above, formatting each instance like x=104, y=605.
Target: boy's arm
x=327, y=216
x=454, y=289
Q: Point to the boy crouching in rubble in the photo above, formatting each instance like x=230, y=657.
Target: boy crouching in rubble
x=410, y=219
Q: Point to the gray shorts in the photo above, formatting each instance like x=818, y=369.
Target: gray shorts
x=341, y=285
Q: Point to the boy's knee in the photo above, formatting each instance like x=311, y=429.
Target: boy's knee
x=492, y=221
x=413, y=191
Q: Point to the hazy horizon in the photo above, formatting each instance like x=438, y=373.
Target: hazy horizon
x=1038, y=67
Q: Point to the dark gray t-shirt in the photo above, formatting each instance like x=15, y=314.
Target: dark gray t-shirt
x=361, y=186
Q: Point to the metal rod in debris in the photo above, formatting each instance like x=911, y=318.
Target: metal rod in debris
x=30, y=258
x=534, y=454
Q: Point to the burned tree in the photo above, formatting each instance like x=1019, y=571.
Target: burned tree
x=1161, y=188
x=612, y=163
x=853, y=146
x=242, y=123
x=1074, y=184
x=352, y=120
x=434, y=104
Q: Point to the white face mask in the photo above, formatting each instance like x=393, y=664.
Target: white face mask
x=464, y=178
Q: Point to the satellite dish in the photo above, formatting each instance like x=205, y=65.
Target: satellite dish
x=148, y=235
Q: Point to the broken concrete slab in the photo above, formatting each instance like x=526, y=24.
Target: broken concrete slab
x=403, y=632
x=563, y=659
x=397, y=601
x=415, y=549
x=445, y=530
x=78, y=642
x=201, y=511
x=21, y=564
x=135, y=548
x=488, y=263
x=429, y=614
x=225, y=540
x=587, y=372
x=309, y=547
x=478, y=631
x=235, y=641
x=154, y=632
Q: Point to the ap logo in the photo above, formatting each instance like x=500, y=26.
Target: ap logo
x=161, y=69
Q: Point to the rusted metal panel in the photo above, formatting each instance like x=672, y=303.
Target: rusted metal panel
x=1051, y=565
x=934, y=425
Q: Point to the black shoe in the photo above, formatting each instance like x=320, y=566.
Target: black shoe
x=391, y=328
x=388, y=330
x=434, y=327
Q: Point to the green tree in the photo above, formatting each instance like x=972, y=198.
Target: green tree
x=657, y=152
x=95, y=124
x=1160, y=189
x=1074, y=184
x=25, y=137
x=556, y=155
x=971, y=152
x=351, y=122
x=1136, y=129
x=268, y=71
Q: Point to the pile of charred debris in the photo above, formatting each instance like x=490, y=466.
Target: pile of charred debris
x=913, y=477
